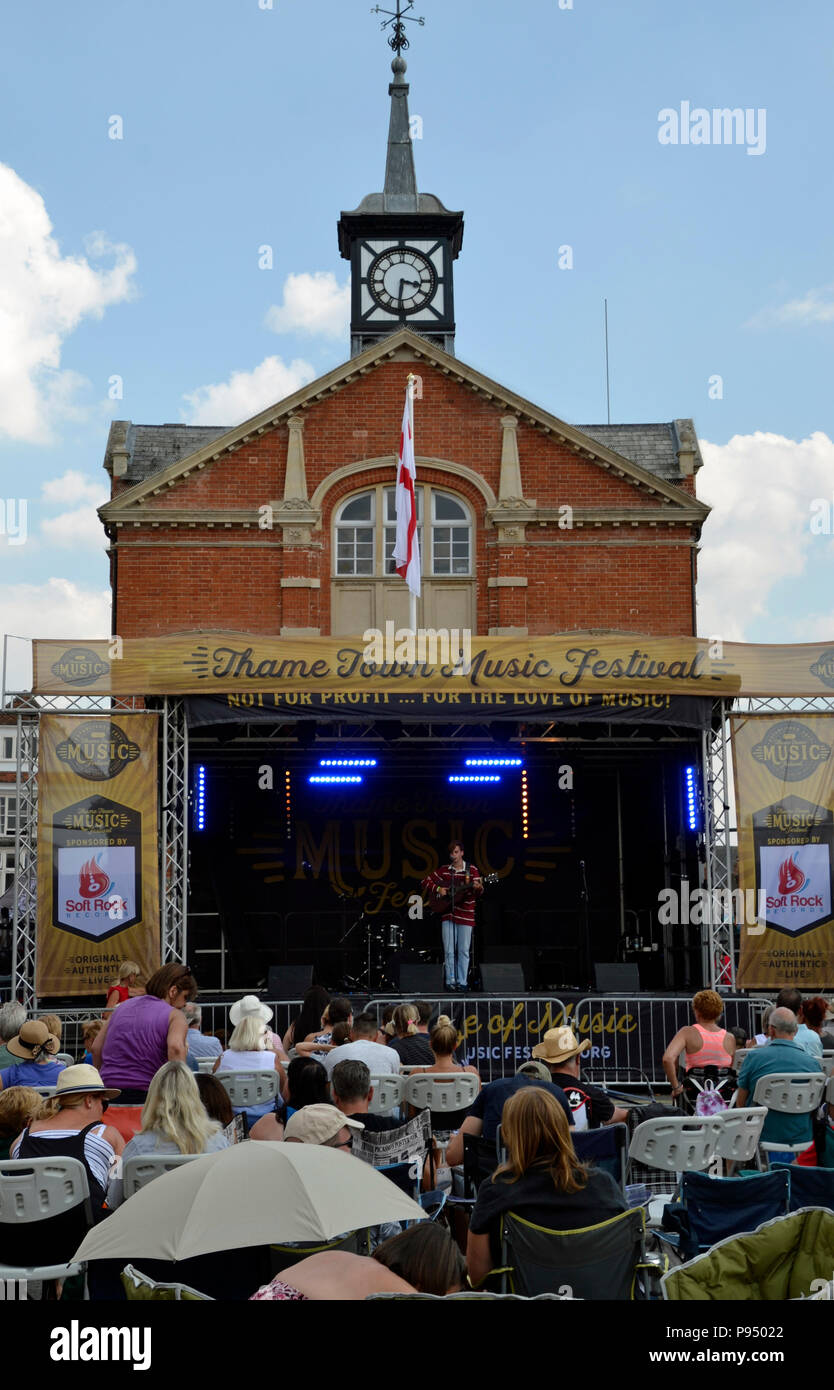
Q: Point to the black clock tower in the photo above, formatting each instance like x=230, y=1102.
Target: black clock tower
x=401, y=245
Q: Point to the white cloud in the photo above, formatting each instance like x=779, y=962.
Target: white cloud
x=43, y=297
x=313, y=304
x=761, y=488
x=58, y=608
x=246, y=393
x=76, y=526
x=815, y=306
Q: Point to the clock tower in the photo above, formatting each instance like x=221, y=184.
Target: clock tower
x=401, y=245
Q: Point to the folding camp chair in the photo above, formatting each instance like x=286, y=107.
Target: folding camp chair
x=606, y=1148
x=811, y=1187
x=596, y=1262
x=712, y=1209
x=700, y=1081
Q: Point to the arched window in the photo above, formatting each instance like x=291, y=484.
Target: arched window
x=366, y=531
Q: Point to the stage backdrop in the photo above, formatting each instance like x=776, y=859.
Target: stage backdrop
x=784, y=782
x=98, y=876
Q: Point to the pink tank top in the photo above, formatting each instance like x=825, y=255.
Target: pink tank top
x=712, y=1053
x=136, y=1045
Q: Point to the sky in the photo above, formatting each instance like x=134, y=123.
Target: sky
x=151, y=152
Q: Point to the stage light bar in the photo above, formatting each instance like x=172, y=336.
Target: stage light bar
x=525, y=806
x=693, y=818
x=334, y=778
x=288, y=803
x=347, y=762
x=473, y=777
x=493, y=762
x=200, y=798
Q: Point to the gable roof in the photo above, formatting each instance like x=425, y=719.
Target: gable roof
x=202, y=445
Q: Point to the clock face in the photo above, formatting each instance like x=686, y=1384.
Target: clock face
x=402, y=280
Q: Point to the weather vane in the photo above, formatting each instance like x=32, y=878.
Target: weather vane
x=398, y=39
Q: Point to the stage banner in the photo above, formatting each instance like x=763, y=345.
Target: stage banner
x=784, y=784
x=430, y=668
x=98, y=873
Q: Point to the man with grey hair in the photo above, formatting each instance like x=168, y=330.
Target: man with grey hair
x=350, y=1083
x=198, y=1044
x=12, y=1018
x=782, y=1054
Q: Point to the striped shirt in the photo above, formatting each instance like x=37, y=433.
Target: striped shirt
x=464, y=913
x=100, y=1155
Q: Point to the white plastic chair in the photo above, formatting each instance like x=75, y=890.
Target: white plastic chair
x=828, y=1063
x=206, y=1064
x=246, y=1089
x=389, y=1089
x=64, y=1057
x=143, y=1168
x=738, y=1138
x=441, y=1094
x=681, y=1144
x=829, y=1091
x=35, y=1190
x=789, y=1094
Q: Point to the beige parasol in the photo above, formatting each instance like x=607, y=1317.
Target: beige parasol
x=250, y=1194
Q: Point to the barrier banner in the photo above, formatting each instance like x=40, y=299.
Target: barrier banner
x=429, y=667
x=784, y=783
x=98, y=875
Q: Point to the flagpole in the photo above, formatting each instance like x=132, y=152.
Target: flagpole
x=412, y=597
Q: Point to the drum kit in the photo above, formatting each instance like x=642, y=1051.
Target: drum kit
x=384, y=945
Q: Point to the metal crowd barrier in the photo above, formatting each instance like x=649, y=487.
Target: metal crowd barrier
x=628, y=1033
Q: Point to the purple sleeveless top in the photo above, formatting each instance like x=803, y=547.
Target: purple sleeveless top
x=136, y=1045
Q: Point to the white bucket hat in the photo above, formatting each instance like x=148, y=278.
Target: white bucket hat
x=249, y=1006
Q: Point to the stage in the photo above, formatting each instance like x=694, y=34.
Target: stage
x=580, y=826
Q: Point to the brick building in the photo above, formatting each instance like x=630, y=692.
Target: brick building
x=284, y=525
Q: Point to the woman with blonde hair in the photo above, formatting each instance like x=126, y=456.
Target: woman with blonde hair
x=411, y=1047
x=542, y=1180
x=125, y=987
x=18, y=1107
x=250, y=1049
x=174, y=1119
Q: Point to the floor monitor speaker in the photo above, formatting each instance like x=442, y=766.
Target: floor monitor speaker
x=421, y=979
x=504, y=978
x=617, y=977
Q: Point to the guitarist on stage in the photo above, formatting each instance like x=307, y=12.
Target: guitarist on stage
x=454, y=888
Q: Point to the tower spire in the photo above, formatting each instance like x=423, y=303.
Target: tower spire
x=400, y=189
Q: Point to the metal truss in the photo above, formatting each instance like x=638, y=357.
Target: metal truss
x=27, y=703
x=720, y=828
x=25, y=893
x=173, y=838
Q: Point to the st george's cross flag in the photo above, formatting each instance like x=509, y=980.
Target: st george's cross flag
x=407, y=547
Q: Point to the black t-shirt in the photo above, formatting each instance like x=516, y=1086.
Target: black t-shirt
x=590, y=1106
x=376, y=1124
x=413, y=1051
x=534, y=1197
x=489, y=1105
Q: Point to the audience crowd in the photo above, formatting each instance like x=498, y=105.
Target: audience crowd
x=150, y=1057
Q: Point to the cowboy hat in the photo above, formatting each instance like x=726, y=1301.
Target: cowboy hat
x=559, y=1045
x=33, y=1039
x=249, y=1006
x=83, y=1080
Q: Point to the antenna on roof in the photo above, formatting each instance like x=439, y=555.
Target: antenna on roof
x=607, y=381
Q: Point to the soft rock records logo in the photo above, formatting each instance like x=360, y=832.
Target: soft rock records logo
x=791, y=751
x=793, y=846
x=96, y=868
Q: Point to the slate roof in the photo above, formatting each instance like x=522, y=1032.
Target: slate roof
x=653, y=447
x=151, y=448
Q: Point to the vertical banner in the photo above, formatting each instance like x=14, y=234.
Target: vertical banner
x=784, y=781
x=98, y=874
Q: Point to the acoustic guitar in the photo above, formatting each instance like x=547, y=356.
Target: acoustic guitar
x=464, y=892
